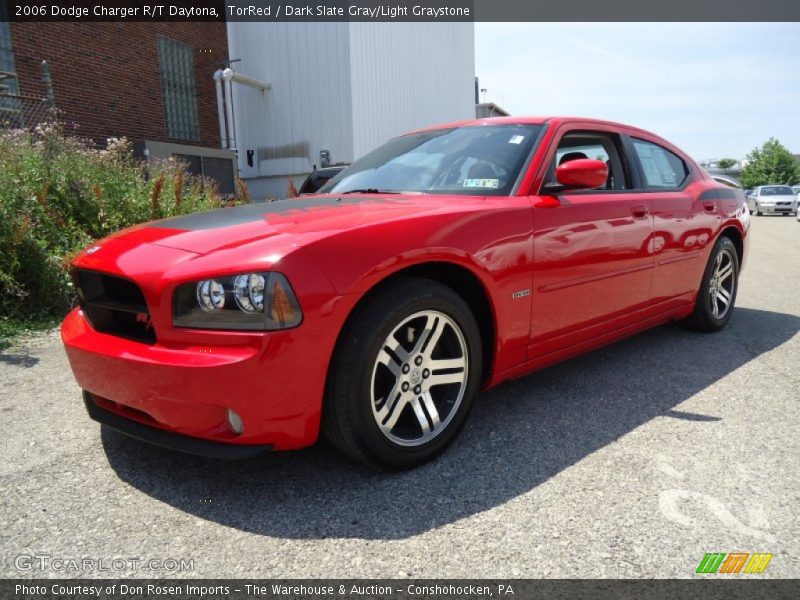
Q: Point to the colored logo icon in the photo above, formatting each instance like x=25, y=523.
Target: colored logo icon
x=734, y=562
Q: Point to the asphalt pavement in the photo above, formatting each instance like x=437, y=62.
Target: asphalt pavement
x=631, y=461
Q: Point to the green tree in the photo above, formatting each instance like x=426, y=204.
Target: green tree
x=726, y=163
x=772, y=163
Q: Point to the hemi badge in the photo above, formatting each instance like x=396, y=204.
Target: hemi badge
x=521, y=294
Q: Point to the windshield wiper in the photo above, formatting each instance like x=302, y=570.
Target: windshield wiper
x=368, y=191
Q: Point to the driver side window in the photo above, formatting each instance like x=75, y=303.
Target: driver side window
x=593, y=145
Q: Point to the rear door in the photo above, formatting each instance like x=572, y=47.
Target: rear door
x=683, y=222
x=592, y=266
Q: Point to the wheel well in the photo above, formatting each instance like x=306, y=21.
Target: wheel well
x=733, y=234
x=461, y=281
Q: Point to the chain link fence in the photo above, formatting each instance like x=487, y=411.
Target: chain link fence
x=25, y=111
x=22, y=111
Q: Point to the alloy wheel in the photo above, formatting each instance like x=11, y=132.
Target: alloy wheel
x=419, y=378
x=722, y=284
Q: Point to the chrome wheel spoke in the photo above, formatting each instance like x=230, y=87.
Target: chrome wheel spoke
x=446, y=379
x=430, y=407
x=434, y=327
x=392, y=356
x=443, y=364
x=724, y=296
x=725, y=273
x=390, y=412
x=387, y=402
x=421, y=418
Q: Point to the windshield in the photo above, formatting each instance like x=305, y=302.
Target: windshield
x=777, y=190
x=483, y=160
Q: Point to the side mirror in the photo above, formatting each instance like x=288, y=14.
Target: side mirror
x=579, y=174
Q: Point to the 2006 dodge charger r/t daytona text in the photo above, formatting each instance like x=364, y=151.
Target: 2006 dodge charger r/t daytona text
x=448, y=260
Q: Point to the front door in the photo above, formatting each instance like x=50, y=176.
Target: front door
x=592, y=259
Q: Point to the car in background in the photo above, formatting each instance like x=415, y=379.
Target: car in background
x=318, y=178
x=773, y=199
x=445, y=262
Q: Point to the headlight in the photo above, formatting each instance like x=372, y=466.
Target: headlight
x=251, y=301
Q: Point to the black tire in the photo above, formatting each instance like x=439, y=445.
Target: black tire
x=349, y=419
x=704, y=318
x=758, y=210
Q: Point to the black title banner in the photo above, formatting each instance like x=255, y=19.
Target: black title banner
x=401, y=10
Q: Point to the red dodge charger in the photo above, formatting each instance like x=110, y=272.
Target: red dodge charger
x=446, y=261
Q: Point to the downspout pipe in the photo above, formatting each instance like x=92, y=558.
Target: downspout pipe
x=227, y=78
x=223, y=123
x=231, y=75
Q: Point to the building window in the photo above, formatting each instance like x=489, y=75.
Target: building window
x=8, y=76
x=176, y=63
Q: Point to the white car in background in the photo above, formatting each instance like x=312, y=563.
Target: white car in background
x=774, y=199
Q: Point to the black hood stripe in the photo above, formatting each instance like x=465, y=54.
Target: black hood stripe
x=248, y=213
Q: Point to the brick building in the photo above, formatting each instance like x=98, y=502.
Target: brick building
x=139, y=80
x=150, y=82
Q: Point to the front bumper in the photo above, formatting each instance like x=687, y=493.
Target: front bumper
x=167, y=439
x=785, y=209
x=270, y=380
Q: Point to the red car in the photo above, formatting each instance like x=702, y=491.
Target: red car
x=444, y=262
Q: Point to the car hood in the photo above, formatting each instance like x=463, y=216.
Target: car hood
x=289, y=222
x=784, y=198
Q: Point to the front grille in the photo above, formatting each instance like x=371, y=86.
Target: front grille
x=114, y=305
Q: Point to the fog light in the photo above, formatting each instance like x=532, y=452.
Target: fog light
x=235, y=422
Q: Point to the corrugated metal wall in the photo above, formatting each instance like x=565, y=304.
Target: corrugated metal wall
x=308, y=107
x=409, y=75
x=344, y=87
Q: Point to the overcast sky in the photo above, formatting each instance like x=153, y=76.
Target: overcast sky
x=714, y=89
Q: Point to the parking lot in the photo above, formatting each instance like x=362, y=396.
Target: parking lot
x=631, y=461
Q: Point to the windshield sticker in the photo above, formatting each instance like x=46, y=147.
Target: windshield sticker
x=481, y=183
x=516, y=139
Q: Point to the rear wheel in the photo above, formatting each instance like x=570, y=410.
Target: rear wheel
x=404, y=375
x=717, y=294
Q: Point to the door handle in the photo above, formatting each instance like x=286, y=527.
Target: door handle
x=639, y=211
x=709, y=206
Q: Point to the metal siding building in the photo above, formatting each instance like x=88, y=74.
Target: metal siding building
x=341, y=87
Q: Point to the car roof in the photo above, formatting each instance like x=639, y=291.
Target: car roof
x=529, y=120
x=541, y=120
x=556, y=121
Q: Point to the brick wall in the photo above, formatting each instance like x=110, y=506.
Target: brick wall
x=106, y=75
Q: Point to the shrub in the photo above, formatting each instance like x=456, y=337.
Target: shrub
x=58, y=194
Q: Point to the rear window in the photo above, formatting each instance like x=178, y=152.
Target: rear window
x=662, y=168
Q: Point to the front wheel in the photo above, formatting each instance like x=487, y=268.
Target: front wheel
x=404, y=375
x=717, y=293
x=758, y=210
